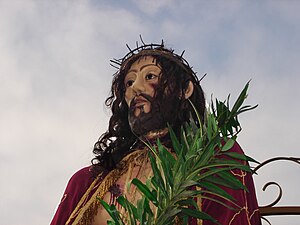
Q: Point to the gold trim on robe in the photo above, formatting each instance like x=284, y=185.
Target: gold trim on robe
x=87, y=207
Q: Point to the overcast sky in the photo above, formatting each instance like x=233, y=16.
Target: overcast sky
x=55, y=76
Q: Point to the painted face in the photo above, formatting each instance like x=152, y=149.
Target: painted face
x=140, y=87
x=146, y=111
x=140, y=82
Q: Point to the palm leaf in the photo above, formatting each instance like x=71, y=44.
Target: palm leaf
x=201, y=165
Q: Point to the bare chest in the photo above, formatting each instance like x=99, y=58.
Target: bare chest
x=142, y=171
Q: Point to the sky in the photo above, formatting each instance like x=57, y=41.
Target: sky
x=55, y=76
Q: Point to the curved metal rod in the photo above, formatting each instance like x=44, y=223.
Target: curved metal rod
x=265, y=219
x=279, y=195
x=293, y=159
x=279, y=210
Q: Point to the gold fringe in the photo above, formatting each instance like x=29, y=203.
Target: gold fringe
x=199, y=204
x=83, y=200
x=87, y=209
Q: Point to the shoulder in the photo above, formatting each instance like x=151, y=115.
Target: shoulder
x=83, y=174
x=235, y=153
x=236, y=148
x=80, y=180
x=76, y=187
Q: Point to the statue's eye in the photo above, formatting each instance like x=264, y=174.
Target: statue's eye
x=150, y=76
x=129, y=83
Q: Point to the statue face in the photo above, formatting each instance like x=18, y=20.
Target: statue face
x=146, y=111
x=140, y=82
x=140, y=86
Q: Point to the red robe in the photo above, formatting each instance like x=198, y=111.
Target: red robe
x=76, y=188
x=247, y=214
x=82, y=186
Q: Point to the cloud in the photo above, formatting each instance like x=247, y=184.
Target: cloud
x=55, y=76
x=152, y=7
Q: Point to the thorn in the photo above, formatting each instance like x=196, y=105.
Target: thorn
x=115, y=61
x=202, y=77
x=128, y=47
x=182, y=53
x=114, y=66
x=142, y=40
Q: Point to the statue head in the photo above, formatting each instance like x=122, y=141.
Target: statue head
x=154, y=85
x=152, y=88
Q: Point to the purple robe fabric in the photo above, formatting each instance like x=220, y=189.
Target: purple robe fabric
x=247, y=214
x=81, y=180
x=76, y=188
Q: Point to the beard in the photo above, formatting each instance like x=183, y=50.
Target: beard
x=160, y=115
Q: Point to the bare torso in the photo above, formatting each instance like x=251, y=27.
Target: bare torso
x=142, y=172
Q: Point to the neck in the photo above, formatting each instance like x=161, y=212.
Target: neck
x=152, y=136
x=155, y=134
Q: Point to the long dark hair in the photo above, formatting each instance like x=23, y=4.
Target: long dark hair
x=176, y=75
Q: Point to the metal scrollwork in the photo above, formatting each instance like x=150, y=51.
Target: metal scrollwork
x=265, y=219
x=293, y=159
x=279, y=195
x=271, y=209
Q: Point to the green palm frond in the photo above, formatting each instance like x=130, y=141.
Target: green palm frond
x=194, y=169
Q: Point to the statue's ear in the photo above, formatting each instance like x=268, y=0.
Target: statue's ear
x=189, y=91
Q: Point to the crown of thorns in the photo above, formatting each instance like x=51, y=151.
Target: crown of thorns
x=152, y=50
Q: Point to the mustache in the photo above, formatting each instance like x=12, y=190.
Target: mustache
x=138, y=99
